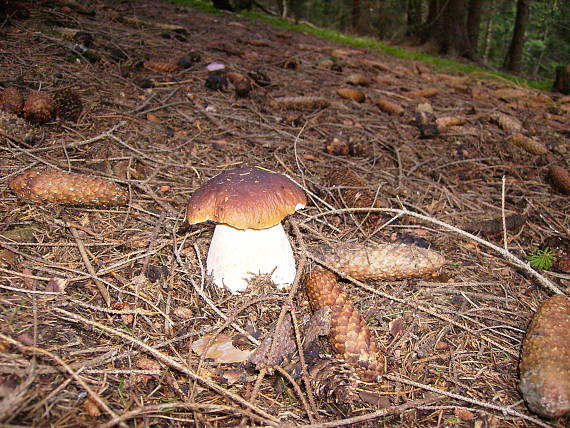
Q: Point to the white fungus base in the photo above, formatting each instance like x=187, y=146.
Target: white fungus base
x=237, y=255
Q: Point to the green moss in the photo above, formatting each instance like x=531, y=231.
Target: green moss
x=443, y=64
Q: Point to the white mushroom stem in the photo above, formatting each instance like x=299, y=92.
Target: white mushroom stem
x=236, y=255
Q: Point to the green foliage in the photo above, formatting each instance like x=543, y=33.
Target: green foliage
x=542, y=259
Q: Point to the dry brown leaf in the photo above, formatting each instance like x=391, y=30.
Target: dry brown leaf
x=183, y=312
x=221, y=349
x=91, y=408
x=464, y=414
x=151, y=117
x=146, y=363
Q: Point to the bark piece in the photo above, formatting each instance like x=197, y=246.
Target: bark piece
x=268, y=355
x=545, y=360
x=381, y=261
x=53, y=186
x=349, y=335
x=562, y=83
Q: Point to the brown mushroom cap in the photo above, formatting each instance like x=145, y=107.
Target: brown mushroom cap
x=246, y=198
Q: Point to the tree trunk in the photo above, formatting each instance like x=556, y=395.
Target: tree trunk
x=360, y=17
x=488, y=32
x=447, y=28
x=414, y=17
x=513, y=59
x=562, y=83
x=474, y=22
x=356, y=13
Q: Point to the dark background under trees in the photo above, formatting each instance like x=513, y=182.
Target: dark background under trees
x=527, y=37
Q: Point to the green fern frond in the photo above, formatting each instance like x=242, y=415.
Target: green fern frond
x=542, y=259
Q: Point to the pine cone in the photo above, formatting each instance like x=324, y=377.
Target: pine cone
x=351, y=94
x=333, y=380
x=53, y=186
x=529, y=144
x=381, y=261
x=161, y=66
x=349, y=335
x=11, y=101
x=68, y=105
x=560, y=178
x=507, y=123
x=38, y=107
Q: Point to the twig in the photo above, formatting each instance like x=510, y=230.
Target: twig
x=201, y=407
x=507, y=254
x=34, y=350
x=375, y=415
x=167, y=360
x=503, y=409
x=100, y=286
x=415, y=306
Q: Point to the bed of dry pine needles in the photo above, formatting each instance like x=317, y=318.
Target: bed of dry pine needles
x=114, y=347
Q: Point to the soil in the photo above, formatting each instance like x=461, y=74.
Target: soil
x=100, y=306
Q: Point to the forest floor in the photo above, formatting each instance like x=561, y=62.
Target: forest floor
x=115, y=346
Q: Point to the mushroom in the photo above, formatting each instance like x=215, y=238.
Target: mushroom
x=248, y=205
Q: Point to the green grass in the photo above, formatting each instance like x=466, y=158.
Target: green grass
x=443, y=64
